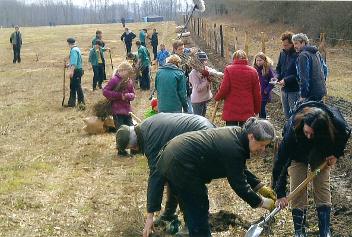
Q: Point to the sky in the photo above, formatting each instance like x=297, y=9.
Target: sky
x=83, y=2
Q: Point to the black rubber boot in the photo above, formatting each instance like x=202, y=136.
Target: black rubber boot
x=324, y=221
x=298, y=222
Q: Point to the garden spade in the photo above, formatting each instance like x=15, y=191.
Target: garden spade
x=256, y=229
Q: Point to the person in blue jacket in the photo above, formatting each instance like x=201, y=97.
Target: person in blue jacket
x=128, y=37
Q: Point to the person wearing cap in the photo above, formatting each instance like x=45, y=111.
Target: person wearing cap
x=194, y=159
x=201, y=85
x=144, y=65
x=128, y=37
x=75, y=74
x=311, y=69
x=148, y=138
x=314, y=133
x=96, y=58
x=153, y=110
x=16, y=41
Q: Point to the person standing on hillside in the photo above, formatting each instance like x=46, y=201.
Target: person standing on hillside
x=128, y=37
x=75, y=74
x=99, y=36
x=154, y=42
x=16, y=41
x=123, y=22
x=287, y=74
x=142, y=36
x=311, y=69
x=144, y=65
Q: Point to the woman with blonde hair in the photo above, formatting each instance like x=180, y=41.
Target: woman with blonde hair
x=240, y=90
x=120, y=92
x=263, y=65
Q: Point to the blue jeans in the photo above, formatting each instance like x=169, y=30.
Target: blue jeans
x=200, y=108
x=288, y=100
x=190, y=109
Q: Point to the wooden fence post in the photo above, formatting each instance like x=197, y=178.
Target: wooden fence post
x=221, y=41
x=322, y=46
x=235, y=39
x=215, y=39
x=198, y=21
x=263, y=41
x=246, y=46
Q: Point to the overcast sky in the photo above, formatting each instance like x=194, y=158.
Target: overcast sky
x=84, y=2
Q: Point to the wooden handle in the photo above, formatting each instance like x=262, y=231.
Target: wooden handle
x=214, y=112
x=135, y=117
x=304, y=184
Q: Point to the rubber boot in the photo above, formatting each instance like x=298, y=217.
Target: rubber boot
x=298, y=222
x=324, y=221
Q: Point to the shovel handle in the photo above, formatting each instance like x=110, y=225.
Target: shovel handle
x=135, y=117
x=304, y=184
x=214, y=112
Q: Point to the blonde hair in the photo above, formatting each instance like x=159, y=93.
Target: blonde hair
x=267, y=63
x=174, y=59
x=125, y=66
x=239, y=54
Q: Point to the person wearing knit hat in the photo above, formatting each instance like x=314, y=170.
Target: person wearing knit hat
x=149, y=138
x=153, y=110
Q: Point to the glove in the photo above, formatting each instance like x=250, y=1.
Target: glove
x=267, y=192
x=268, y=203
x=205, y=73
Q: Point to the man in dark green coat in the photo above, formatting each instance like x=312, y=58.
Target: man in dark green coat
x=16, y=41
x=144, y=65
x=99, y=36
x=191, y=160
x=96, y=58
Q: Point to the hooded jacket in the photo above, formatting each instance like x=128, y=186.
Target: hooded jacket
x=154, y=40
x=170, y=84
x=128, y=37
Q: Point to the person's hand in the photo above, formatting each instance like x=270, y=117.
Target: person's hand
x=267, y=192
x=123, y=97
x=108, y=49
x=331, y=160
x=149, y=226
x=268, y=203
x=205, y=73
x=282, y=202
x=281, y=83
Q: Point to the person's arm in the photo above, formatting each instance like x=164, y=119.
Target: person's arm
x=133, y=35
x=123, y=36
x=130, y=95
x=90, y=56
x=278, y=67
x=269, y=87
x=109, y=91
x=224, y=87
x=257, y=98
x=11, y=38
x=197, y=84
x=324, y=66
x=182, y=91
x=303, y=69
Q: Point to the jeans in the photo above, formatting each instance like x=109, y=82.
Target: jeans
x=16, y=53
x=128, y=47
x=145, y=79
x=200, y=108
x=122, y=120
x=288, y=100
x=189, y=103
x=98, y=75
x=262, y=113
x=76, y=88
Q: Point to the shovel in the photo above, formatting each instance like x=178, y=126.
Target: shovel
x=214, y=112
x=256, y=229
x=64, y=88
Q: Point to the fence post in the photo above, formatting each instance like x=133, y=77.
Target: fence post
x=246, y=47
x=263, y=41
x=235, y=40
x=215, y=39
x=221, y=41
x=198, y=21
x=322, y=46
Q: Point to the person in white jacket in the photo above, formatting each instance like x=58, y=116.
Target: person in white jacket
x=201, y=85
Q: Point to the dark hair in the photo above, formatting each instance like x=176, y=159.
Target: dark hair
x=98, y=32
x=287, y=35
x=99, y=42
x=138, y=42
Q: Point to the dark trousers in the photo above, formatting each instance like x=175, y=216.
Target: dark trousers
x=235, y=123
x=76, y=88
x=143, y=43
x=155, y=51
x=16, y=53
x=120, y=119
x=145, y=79
x=200, y=108
x=262, y=113
x=98, y=76
x=128, y=47
x=195, y=205
x=104, y=73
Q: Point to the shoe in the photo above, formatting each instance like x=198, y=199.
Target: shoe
x=81, y=106
x=69, y=106
x=122, y=153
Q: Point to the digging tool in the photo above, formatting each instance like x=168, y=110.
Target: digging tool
x=64, y=87
x=214, y=112
x=135, y=117
x=112, y=65
x=256, y=229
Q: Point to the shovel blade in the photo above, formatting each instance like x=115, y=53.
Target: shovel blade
x=254, y=231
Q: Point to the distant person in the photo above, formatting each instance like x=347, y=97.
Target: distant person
x=96, y=58
x=263, y=65
x=99, y=36
x=75, y=74
x=155, y=42
x=311, y=69
x=240, y=90
x=16, y=41
x=144, y=66
x=287, y=74
x=142, y=36
x=127, y=37
x=162, y=55
x=170, y=84
x=123, y=22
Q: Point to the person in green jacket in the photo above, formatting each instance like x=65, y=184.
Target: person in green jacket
x=16, y=41
x=99, y=36
x=170, y=84
x=144, y=66
x=96, y=58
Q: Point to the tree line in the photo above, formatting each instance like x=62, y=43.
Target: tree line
x=64, y=12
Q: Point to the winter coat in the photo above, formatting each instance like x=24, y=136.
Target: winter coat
x=95, y=39
x=154, y=40
x=297, y=147
x=286, y=70
x=142, y=36
x=162, y=56
x=240, y=89
x=170, y=84
x=76, y=58
x=193, y=159
x=153, y=134
x=265, y=86
x=93, y=56
x=312, y=72
x=16, y=39
x=118, y=105
x=128, y=37
x=143, y=56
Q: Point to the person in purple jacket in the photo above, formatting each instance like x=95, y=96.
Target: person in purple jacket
x=120, y=92
x=263, y=65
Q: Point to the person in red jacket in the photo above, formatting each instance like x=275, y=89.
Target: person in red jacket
x=240, y=90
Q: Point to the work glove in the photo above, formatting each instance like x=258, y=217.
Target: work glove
x=205, y=73
x=268, y=203
x=267, y=192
